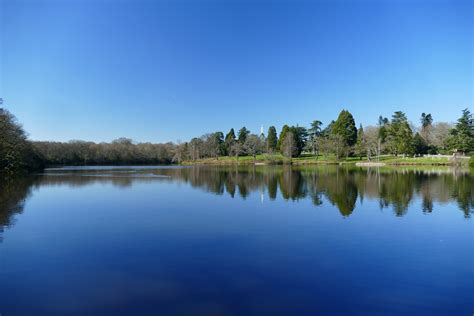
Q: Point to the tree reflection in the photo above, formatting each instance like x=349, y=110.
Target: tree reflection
x=339, y=186
x=13, y=194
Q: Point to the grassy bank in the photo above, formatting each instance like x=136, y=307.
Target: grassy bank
x=310, y=160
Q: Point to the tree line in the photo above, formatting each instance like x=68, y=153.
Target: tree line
x=340, y=138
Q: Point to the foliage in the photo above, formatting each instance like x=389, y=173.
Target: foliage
x=16, y=152
x=315, y=129
x=400, y=135
x=292, y=140
x=272, y=139
x=426, y=120
x=345, y=128
x=228, y=141
x=300, y=135
x=328, y=129
x=361, y=146
x=285, y=130
x=420, y=145
x=462, y=135
x=243, y=132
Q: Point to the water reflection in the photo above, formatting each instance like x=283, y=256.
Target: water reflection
x=13, y=194
x=339, y=186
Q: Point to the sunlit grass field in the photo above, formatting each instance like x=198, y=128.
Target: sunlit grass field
x=277, y=158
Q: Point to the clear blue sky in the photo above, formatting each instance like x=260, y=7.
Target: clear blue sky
x=168, y=70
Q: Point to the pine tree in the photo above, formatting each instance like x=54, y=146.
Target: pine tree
x=243, y=132
x=345, y=129
x=462, y=135
x=283, y=133
x=229, y=141
x=361, y=143
x=400, y=135
x=272, y=139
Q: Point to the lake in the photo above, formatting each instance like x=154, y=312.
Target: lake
x=263, y=240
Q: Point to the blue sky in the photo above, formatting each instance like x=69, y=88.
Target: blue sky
x=168, y=70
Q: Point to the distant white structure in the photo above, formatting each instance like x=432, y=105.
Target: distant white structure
x=261, y=130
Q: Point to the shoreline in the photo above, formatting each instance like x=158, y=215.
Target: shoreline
x=386, y=161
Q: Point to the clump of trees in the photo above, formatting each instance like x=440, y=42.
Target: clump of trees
x=16, y=152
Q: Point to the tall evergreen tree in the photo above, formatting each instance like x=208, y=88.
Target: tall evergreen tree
x=272, y=139
x=361, y=142
x=462, y=135
x=400, y=135
x=242, y=137
x=283, y=133
x=229, y=141
x=346, y=128
x=219, y=148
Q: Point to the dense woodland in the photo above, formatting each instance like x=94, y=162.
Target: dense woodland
x=340, y=138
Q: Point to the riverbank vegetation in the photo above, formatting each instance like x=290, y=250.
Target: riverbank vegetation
x=392, y=141
x=17, y=154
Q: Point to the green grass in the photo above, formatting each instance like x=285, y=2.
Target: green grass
x=329, y=159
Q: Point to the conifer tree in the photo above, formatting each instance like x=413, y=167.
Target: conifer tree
x=272, y=139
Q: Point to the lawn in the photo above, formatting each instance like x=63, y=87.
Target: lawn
x=321, y=159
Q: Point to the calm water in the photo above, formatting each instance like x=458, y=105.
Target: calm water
x=237, y=241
